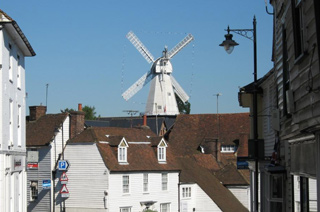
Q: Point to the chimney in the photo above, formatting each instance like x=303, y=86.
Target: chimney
x=36, y=112
x=79, y=107
x=76, y=121
x=144, y=120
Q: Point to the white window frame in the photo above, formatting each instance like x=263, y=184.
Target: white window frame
x=10, y=121
x=19, y=73
x=19, y=125
x=125, y=184
x=162, y=151
x=228, y=148
x=164, y=181
x=145, y=182
x=186, y=192
x=125, y=209
x=167, y=209
x=123, y=151
x=10, y=67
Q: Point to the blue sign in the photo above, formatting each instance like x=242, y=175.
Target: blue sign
x=63, y=165
x=46, y=184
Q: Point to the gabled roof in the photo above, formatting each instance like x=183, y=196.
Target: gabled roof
x=142, y=155
x=16, y=33
x=41, y=131
x=222, y=197
x=189, y=131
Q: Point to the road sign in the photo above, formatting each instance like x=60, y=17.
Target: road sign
x=46, y=184
x=64, y=191
x=64, y=178
x=63, y=165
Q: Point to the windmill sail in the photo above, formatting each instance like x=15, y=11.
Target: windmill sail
x=140, y=47
x=161, y=98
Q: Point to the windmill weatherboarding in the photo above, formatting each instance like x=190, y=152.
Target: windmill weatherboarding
x=161, y=99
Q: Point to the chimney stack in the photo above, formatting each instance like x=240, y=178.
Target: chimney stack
x=144, y=120
x=36, y=112
x=76, y=121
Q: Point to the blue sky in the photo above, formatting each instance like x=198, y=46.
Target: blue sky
x=84, y=56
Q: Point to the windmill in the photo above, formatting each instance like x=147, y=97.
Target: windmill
x=163, y=87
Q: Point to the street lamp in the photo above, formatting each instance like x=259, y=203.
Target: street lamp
x=229, y=44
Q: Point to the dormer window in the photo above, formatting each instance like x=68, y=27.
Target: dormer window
x=122, y=151
x=162, y=153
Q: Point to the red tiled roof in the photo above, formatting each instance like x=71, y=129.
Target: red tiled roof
x=41, y=131
x=190, y=131
x=142, y=154
x=223, y=198
x=229, y=175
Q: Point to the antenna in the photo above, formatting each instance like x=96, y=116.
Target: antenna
x=47, y=86
x=131, y=112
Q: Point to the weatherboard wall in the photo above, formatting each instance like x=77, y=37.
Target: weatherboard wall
x=42, y=173
x=203, y=202
x=87, y=179
x=242, y=193
x=133, y=199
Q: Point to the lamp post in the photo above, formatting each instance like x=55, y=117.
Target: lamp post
x=229, y=44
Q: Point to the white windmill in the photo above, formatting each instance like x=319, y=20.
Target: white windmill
x=161, y=99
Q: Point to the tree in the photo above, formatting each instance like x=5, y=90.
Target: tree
x=184, y=108
x=90, y=112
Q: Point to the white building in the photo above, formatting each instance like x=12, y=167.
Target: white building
x=14, y=48
x=119, y=169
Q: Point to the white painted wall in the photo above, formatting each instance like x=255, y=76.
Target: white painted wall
x=117, y=199
x=88, y=179
x=242, y=193
x=12, y=149
x=203, y=202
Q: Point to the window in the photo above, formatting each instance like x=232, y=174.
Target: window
x=126, y=209
x=125, y=184
x=10, y=66
x=19, y=74
x=228, y=148
x=33, y=190
x=19, y=125
x=11, y=121
x=186, y=192
x=298, y=28
x=165, y=207
x=122, y=151
x=162, y=151
x=145, y=182
x=164, y=178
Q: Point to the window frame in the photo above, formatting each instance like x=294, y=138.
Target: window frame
x=162, y=151
x=186, y=192
x=168, y=209
x=125, y=209
x=123, y=151
x=125, y=184
x=164, y=181
x=298, y=29
x=145, y=182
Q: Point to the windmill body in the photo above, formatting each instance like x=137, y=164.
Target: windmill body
x=163, y=87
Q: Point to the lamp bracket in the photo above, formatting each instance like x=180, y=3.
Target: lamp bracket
x=242, y=32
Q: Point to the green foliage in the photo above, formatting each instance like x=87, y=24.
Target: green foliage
x=184, y=108
x=90, y=113
x=149, y=210
x=67, y=110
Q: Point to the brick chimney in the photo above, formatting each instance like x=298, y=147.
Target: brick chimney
x=35, y=112
x=76, y=121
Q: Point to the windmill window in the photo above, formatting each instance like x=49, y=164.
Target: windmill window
x=159, y=107
x=169, y=94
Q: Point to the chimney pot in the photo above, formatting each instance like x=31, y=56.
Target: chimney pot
x=79, y=107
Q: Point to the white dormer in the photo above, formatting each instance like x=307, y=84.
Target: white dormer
x=162, y=151
x=123, y=151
